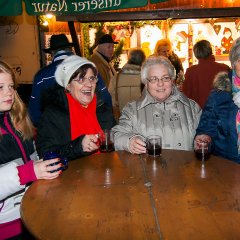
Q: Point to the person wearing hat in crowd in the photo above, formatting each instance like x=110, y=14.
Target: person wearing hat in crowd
x=102, y=56
x=199, y=77
x=74, y=114
x=59, y=48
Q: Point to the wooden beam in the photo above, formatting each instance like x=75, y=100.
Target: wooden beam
x=153, y=15
x=74, y=37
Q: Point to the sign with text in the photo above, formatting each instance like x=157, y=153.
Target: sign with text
x=62, y=7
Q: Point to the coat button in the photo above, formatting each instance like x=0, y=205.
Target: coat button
x=179, y=144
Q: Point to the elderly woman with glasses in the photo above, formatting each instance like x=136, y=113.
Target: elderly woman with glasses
x=162, y=110
x=73, y=114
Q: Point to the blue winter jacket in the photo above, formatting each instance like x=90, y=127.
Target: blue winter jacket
x=218, y=120
x=44, y=80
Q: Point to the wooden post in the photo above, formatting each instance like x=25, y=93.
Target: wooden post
x=74, y=38
x=190, y=45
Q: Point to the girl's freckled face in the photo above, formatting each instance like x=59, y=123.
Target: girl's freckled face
x=6, y=92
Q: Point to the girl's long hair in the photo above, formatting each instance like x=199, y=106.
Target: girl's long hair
x=18, y=112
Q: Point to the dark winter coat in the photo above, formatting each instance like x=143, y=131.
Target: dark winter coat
x=54, y=132
x=218, y=120
x=9, y=148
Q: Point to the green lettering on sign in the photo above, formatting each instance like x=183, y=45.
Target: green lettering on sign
x=60, y=7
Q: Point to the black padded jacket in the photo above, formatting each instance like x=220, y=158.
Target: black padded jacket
x=54, y=134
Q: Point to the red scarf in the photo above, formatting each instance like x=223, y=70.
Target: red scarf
x=83, y=120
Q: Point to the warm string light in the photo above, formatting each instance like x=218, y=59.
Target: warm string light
x=45, y=19
x=49, y=16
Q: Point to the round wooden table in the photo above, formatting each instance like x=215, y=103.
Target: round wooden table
x=123, y=196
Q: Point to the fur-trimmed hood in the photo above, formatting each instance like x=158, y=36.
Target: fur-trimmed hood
x=222, y=82
x=131, y=69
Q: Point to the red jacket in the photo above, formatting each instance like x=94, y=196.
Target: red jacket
x=199, y=79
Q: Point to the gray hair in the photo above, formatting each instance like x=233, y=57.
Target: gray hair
x=157, y=60
x=234, y=54
x=136, y=57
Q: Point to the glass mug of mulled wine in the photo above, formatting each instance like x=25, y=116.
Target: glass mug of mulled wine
x=50, y=155
x=154, y=145
x=105, y=139
x=202, y=149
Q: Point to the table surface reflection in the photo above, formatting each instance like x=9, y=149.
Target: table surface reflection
x=123, y=196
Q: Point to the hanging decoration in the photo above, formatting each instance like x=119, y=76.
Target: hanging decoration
x=109, y=27
x=165, y=28
x=237, y=24
x=212, y=21
x=217, y=28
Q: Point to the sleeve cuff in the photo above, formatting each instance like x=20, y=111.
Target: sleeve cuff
x=26, y=173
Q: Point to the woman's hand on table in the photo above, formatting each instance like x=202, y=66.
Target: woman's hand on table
x=137, y=145
x=90, y=143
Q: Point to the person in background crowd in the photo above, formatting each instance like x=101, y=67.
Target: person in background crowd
x=220, y=120
x=126, y=86
x=199, y=78
x=73, y=115
x=102, y=91
x=59, y=48
x=162, y=110
x=102, y=56
x=19, y=162
x=163, y=47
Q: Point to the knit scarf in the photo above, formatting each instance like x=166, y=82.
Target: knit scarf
x=83, y=120
x=235, y=89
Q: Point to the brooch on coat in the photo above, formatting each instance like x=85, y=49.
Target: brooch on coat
x=174, y=117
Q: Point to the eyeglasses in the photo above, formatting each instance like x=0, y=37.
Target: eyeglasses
x=83, y=80
x=156, y=79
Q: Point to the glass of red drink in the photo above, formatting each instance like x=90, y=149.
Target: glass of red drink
x=202, y=149
x=105, y=138
x=154, y=145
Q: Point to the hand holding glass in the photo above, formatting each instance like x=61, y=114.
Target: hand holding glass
x=202, y=149
x=50, y=155
x=105, y=138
